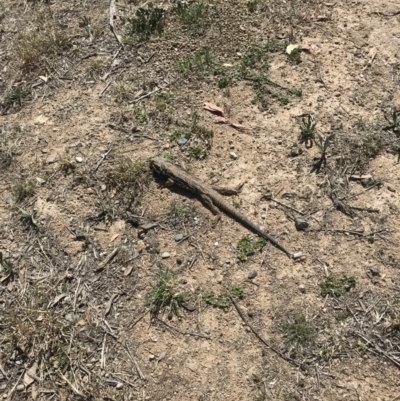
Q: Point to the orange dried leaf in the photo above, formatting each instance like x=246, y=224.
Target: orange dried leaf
x=213, y=108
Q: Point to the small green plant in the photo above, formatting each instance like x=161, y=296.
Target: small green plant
x=29, y=218
x=197, y=152
x=7, y=152
x=222, y=300
x=22, y=189
x=6, y=266
x=372, y=145
x=67, y=165
x=252, y=6
x=337, y=285
x=247, y=247
x=104, y=212
x=295, y=55
x=361, y=124
x=323, y=145
x=192, y=15
x=165, y=295
x=38, y=49
x=175, y=209
x=129, y=178
x=178, y=134
x=224, y=82
x=299, y=331
x=141, y=116
x=307, y=131
x=85, y=23
x=394, y=122
x=201, y=61
x=168, y=156
x=148, y=21
x=15, y=98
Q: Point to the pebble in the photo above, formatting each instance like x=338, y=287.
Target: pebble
x=40, y=180
x=178, y=237
x=252, y=274
x=119, y=386
x=181, y=141
x=174, y=221
x=302, y=288
x=301, y=224
x=375, y=270
x=20, y=387
x=79, y=159
x=165, y=255
x=233, y=155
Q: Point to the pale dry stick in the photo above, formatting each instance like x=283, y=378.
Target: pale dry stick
x=184, y=333
x=104, y=89
x=277, y=352
x=146, y=95
x=103, y=358
x=73, y=388
x=287, y=206
x=11, y=392
x=115, y=375
x=362, y=192
x=133, y=360
x=377, y=351
x=103, y=156
x=113, y=9
x=3, y=372
x=372, y=306
x=76, y=294
x=108, y=259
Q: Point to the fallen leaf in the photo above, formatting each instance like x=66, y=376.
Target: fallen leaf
x=128, y=271
x=108, y=304
x=213, y=108
x=114, y=237
x=43, y=78
x=57, y=299
x=138, y=94
x=221, y=120
x=29, y=374
x=237, y=125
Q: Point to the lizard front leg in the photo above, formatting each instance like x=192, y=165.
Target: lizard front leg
x=207, y=200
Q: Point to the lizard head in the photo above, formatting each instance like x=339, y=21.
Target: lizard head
x=158, y=165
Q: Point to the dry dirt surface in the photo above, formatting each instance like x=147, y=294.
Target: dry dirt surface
x=115, y=285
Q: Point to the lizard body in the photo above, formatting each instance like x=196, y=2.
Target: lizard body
x=211, y=197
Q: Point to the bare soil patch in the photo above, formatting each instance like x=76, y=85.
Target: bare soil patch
x=114, y=285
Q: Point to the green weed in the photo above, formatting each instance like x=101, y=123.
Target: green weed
x=147, y=21
x=22, y=189
x=252, y=6
x=15, y=98
x=104, y=212
x=197, y=152
x=222, y=300
x=247, y=247
x=299, y=331
x=38, y=49
x=372, y=145
x=129, y=178
x=307, y=131
x=164, y=294
x=337, y=286
x=192, y=15
x=295, y=56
